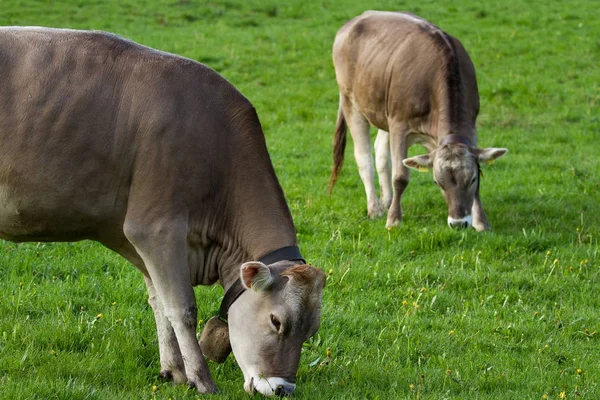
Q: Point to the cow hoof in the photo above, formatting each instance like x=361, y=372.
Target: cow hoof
x=481, y=227
x=392, y=223
x=166, y=375
x=480, y=224
x=211, y=388
x=375, y=212
x=375, y=215
x=172, y=376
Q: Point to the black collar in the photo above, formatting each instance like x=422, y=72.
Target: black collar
x=291, y=253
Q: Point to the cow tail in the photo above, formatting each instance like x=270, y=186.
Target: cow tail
x=339, y=146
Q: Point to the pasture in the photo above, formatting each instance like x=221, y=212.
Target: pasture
x=418, y=312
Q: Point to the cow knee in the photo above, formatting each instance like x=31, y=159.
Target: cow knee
x=190, y=316
x=186, y=317
x=400, y=183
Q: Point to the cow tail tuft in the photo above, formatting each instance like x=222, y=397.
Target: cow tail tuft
x=339, y=146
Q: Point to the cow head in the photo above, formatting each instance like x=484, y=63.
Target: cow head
x=269, y=322
x=456, y=171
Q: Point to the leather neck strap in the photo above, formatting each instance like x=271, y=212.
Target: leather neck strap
x=290, y=253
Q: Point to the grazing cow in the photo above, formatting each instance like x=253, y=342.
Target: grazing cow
x=416, y=84
x=163, y=161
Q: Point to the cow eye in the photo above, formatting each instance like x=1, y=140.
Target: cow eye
x=275, y=322
x=473, y=181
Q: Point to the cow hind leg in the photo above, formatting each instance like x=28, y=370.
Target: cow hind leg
x=383, y=163
x=359, y=129
x=162, y=247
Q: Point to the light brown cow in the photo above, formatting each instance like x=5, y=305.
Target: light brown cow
x=163, y=161
x=416, y=84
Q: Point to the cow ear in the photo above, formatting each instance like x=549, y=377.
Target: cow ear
x=256, y=276
x=420, y=163
x=489, y=154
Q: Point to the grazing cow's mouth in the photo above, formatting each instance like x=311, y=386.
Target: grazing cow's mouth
x=273, y=386
x=461, y=223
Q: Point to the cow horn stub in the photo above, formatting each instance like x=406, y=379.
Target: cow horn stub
x=214, y=340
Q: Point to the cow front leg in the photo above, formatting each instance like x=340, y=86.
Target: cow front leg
x=480, y=222
x=359, y=129
x=400, y=175
x=171, y=361
x=162, y=246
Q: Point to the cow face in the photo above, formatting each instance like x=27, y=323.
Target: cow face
x=456, y=171
x=271, y=320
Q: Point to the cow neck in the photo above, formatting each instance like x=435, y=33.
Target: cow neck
x=288, y=253
x=258, y=217
x=454, y=138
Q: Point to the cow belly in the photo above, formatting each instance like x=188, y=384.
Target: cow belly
x=377, y=118
x=43, y=216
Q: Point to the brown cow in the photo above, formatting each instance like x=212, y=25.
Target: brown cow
x=163, y=161
x=416, y=84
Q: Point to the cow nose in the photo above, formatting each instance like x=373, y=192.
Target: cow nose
x=284, y=390
x=271, y=386
x=459, y=223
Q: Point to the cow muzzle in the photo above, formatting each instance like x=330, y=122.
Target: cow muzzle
x=273, y=386
x=460, y=223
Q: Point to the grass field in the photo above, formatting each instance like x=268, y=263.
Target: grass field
x=420, y=312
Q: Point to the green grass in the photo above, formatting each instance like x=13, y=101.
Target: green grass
x=421, y=312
